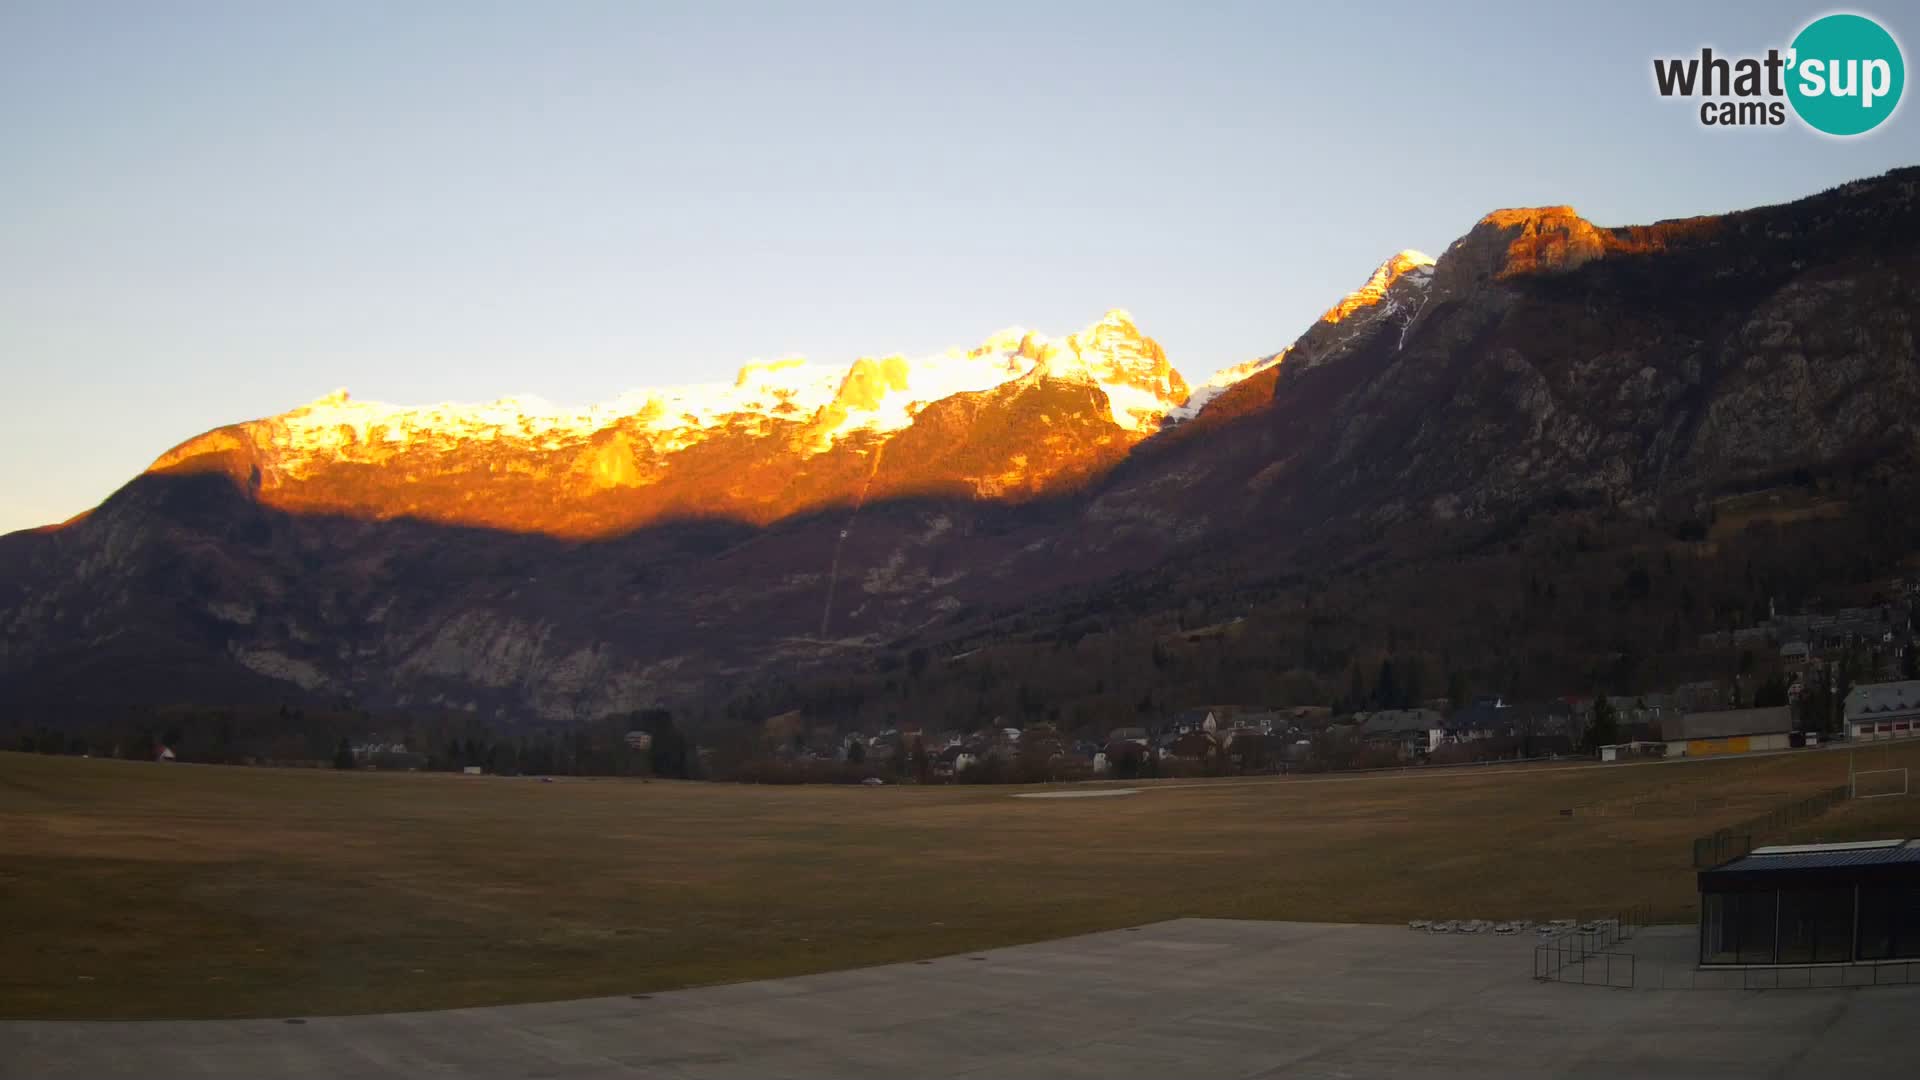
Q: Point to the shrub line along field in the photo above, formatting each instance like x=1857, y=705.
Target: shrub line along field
x=145, y=891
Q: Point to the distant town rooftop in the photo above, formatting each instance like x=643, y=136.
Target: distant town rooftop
x=1877, y=698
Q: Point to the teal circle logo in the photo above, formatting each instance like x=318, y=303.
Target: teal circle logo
x=1846, y=74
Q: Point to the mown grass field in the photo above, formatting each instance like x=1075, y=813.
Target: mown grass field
x=136, y=890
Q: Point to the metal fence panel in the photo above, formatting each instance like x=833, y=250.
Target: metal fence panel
x=1727, y=844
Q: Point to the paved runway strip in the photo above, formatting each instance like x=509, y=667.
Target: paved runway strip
x=1190, y=998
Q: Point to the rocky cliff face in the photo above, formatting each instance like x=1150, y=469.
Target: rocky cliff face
x=1546, y=360
x=538, y=564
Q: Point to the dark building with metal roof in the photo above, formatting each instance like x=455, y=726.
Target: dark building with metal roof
x=1883, y=710
x=1813, y=904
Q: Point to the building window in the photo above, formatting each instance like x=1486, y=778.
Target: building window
x=1877, y=903
x=1889, y=922
x=1756, y=922
x=1816, y=926
x=1738, y=928
x=1717, y=943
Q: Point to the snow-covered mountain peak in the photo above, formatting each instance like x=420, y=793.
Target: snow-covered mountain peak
x=1396, y=285
x=1416, y=266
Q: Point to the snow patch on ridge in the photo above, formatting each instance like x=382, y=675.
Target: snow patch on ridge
x=1220, y=382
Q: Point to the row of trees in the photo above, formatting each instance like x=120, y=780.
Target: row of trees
x=295, y=735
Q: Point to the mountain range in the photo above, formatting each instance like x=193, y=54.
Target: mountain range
x=782, y=438
x=534, y=564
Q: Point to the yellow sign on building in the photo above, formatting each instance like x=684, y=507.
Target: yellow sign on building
x=1738, y=744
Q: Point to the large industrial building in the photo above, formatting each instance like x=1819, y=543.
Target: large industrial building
x=1729, y=731
x=1813, y=904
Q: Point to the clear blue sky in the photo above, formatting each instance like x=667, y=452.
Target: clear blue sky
x=215, y=212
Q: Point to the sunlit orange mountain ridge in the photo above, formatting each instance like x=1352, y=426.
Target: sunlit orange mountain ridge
x=1020, y=416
